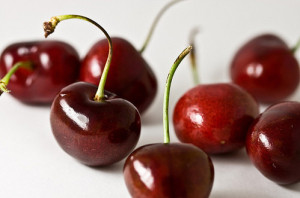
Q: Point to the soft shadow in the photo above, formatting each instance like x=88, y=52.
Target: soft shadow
x=295, y=96
x=239, y=157
x=32, y=105
x=116, y=168
x=238, y=194
x=29, y=105
x=36, y=105
x=293, y=187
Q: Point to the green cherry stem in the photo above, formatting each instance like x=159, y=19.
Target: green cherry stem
x=167, y=93
x=5, y=80
x=49, y=28
x=194, y=65
x=296, y=47
x=154, y=24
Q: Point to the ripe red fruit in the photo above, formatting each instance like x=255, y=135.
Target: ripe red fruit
x=266, y=67
x=215, y=117
x=92, y=125
x=130, y=76
x=169, y=169
x=55, y=64
x=95, y=133
x=273, y=143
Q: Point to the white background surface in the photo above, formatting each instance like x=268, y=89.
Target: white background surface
x=32, y=164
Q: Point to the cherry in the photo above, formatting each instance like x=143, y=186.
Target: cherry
x=130, y=75
x=266, y=68
x=214, y=117
x=169, y=169
x=273, y=142
x=55, y=64
x=94, y=126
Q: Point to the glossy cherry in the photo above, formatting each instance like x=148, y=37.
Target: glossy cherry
x=214, y=117
x=169, y=169
x=55, y=64
x=93, y=126
x=266, y=67
x=130, y=76
x=273, y=143
x=95, y=133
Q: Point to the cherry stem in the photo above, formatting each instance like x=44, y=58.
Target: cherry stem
x=154, y=24
x=194, y=65
x=296, y=47
x=5, y=80
x=167, y=93
x=49, y=28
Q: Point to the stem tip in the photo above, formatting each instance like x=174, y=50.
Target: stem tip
x=3, y=87
x=49, y=26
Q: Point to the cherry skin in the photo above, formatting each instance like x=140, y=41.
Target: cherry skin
x=214, y=117
x=130, y=76
x=95, y=133
x=266, y=68
x=90, y=124
x=169, y=170
x=273, y=143
x=6, y=78
x=55, y=65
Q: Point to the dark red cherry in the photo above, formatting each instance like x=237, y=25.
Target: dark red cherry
x=266, y=67
x=130, y=76
x=273, y=143
x=55, y=64
x=95, y=133
x=214, y=117
x=169, y=170
x=90, y=124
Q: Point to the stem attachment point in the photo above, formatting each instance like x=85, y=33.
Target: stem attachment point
x=49, y=28
x=5, y=80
